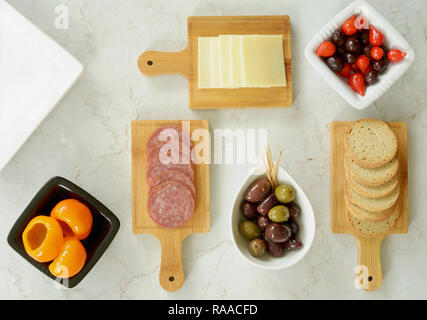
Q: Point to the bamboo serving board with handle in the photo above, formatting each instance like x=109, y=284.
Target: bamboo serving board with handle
x=369, y=247
x=153, y=63
x=171, y=274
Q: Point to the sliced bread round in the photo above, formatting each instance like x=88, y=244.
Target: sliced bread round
x=372, y=205
x=367, y=228
x=372, y=192
x=366, y=215
x=371, y=177
x=371, y=143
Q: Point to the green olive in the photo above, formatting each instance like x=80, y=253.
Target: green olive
x=279, y=214
x=249, y=230
x=285, y=193
x=257, y=247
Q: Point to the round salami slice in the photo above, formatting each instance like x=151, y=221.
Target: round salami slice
x=154, y=139
x=157, y=164
x=174, y=175
x=170, y=204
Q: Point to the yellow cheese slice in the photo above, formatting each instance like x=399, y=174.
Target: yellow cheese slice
x=236, y=61
x=262, y=60
x=215, y=67
x=204, y=63
x=225, y=60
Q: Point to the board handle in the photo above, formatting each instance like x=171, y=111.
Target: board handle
x=171, y=274
x=368, y=274
x=153, y=63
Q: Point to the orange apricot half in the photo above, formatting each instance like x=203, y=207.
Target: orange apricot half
x=42, y=238
x=76, y=216
x=70, y=260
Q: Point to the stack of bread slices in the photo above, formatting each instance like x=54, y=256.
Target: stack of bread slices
x=372, y=182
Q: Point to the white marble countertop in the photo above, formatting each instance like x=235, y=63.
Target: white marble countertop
x=86, y=139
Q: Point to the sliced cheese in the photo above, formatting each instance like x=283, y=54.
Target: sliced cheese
x=225, y=60
x=263, y=61
x=204, y=63
x=215, y=67
x=236, y=61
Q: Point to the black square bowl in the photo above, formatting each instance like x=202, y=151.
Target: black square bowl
x=104, y=229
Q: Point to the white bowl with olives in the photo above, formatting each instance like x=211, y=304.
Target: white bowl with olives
x=272, y=229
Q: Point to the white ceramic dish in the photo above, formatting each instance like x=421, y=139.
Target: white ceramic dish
x=306, y=222
x=393, y=40
x=35, y=73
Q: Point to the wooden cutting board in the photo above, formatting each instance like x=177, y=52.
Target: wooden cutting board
x=171, y=271
x=369, y=248
x=152, y=63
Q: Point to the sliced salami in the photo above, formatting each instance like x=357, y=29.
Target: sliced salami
x=170, y=204
x=184, y=137
x=177, y=176
x=156, y=166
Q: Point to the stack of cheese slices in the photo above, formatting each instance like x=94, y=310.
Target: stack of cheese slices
x=372, y=182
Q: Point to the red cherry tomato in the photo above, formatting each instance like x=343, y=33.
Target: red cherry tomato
x=395, y=55
x=376, y=38
x=346, y=71
x=377, y=53
x=357, y=83
x=349, y=26
x=326, y=49
x=363, y=63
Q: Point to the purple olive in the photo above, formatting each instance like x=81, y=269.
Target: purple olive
x=275, y=249
x=248, y=210
x=263, y=222
x=292, y=244
x=265, y=205
x=294, y=210
x=278, y=232
x=258, y=190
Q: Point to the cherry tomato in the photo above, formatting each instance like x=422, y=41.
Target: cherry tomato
x=357, y=83
x=377, y=53
x=395, y=55
x=326, y=49
x=346, y=71
x=376, y=38
x=349, y=26
x=363, y=63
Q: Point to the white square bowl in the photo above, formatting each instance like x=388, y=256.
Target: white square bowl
x=393, y=39
x=35, y=73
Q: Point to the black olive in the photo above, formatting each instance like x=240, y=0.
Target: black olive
x=338, y=38
x=364, y=36
x=370, y=77
x=352, y=45
x=340, y=51
x=350, y=57
x=380, y=65
x=335, y=63
x=367, y=51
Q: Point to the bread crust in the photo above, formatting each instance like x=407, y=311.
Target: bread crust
x=368, y=163
x=362, y=205
x=370, y=183
x=375, y=192
x=390, y=223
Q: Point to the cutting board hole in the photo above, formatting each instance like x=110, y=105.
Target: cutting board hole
x=370, y=278
x=171, y=278
x=150, y=63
